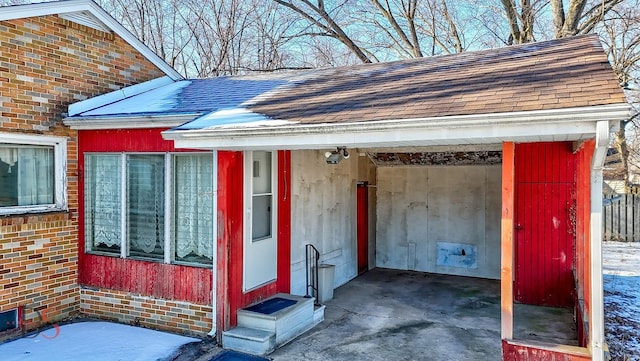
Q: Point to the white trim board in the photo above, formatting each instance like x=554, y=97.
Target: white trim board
x=547, y=125
x=59, y=144
x=129, y=122
x=117, y=95
x=101, y=16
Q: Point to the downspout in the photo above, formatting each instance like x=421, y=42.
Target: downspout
x=597, y=298
x=214, y=258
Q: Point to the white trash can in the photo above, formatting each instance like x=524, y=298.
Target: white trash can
x=326, y=274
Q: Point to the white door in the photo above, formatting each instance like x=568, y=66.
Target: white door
x=260, y=243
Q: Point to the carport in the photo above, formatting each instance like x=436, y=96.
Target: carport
x=547, y=108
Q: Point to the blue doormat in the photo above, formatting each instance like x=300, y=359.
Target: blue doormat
x=272, y=305
x=227, y=355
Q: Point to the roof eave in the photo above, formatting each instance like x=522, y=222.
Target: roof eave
x=567, y=123
x=62, y=7
x=128, y=122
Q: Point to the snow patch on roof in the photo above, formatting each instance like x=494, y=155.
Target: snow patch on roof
x=157, y=100
x=232, y=118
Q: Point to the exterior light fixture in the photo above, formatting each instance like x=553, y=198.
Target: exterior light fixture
x=336, y=156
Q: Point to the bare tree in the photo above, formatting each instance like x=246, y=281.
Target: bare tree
x=324, y=23
x=620, y=33
x=577, y=17
x=375, y=30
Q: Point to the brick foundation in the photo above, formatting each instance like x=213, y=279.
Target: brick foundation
x=39, y=267
x=175, y=316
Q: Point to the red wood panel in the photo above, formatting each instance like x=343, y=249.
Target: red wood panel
x=521, y=352
x=284, y=221
x=583, y=239
x=230, y=205
x=362, y=227
x=177, y=282
x=544, y=217
x=125, y=140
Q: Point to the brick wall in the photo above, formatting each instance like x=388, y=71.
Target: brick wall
x=176, y=316
x=46, y=63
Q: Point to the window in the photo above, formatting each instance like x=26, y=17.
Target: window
x=150, y=206
x=32, y=173
x=145, y=205
x=261, y=196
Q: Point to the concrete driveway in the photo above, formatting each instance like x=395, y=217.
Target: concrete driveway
x=399, y=315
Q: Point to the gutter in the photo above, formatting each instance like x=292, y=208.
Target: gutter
x=581, y=114
x=596, y=321
x=129, y=122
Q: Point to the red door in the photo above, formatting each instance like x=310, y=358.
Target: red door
x=362, y=228
x=544, y=229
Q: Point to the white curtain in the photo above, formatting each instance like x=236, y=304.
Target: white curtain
x=35, y=176
x=28, y=175
x=145, y=197
x=194, y=206
x=102, y=201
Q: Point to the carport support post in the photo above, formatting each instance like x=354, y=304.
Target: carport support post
x=597, y=297
x=506, y=244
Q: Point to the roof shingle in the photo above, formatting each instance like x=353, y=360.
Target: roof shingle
x=556, y=74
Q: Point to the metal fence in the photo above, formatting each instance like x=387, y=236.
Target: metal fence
x=621, y=216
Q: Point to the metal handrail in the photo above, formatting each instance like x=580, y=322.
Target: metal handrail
x=312, y=271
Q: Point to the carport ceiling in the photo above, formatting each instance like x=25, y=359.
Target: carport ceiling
x=387, y=159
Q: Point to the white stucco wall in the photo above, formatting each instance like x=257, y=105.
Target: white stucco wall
x=323, y=213
x=417, y=207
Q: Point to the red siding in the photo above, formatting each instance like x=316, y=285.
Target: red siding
x=230, y=203
x=521, y=352
x=230, y=237
x=284, y=221
x=583, y=239
x=544, y=219
x=176, y=282
x=362, y=227
x=125, y=140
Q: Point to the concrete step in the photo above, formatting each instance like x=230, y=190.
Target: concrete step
x=287, y=323
x=249, y=340
x=260, y=334
x=318, y=314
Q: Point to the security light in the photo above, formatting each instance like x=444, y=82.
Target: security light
x=336, y=156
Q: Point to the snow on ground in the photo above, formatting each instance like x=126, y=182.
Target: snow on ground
x=621, y=268
x=95, y=341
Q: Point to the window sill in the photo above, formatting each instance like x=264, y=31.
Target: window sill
x=197, y=265
x=25, y=210
x=106, y=254
x=153, y=260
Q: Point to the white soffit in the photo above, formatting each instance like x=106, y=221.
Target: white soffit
x=87, y=19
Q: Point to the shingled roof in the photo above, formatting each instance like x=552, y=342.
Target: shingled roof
x=572, y=72
x=548, y=75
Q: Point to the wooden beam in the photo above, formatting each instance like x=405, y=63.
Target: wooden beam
x=506, y=274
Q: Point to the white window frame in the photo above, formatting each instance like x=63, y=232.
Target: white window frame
x=59, y=145
x=169, y=209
